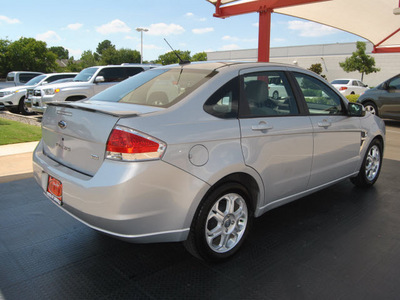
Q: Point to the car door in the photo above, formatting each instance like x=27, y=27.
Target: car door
x=390, y=99
x=337, y=136
x=276, y=138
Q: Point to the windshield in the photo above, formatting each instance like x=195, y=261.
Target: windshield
x=340, y=81
x=156, y=87
x=35, y=80
x=85, y=75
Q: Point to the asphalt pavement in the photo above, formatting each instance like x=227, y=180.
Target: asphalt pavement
x=339, y=243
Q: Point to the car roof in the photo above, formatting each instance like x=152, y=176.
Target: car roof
x=214, y=65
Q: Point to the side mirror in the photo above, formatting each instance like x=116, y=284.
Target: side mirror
x=44, y=82
x=355, y=109
x=99, y=79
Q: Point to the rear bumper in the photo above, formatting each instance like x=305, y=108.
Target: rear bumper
x=139, y=202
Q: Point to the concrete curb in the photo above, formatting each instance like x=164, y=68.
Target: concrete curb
x=16, y=161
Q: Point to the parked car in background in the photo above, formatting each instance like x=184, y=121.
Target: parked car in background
x=383, y=100
x=143, y=163
x=350, y=86
x=16, y=78
x=13, y=98
x=87, y=83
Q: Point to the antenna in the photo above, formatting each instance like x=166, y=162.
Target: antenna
x=181, y=62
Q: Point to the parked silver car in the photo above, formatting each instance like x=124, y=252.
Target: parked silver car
x=194, y=152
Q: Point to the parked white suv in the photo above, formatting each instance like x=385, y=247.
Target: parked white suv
x=87, y=83
x=13, y=98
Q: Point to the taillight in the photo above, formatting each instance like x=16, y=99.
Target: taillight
x=130, y=145
x=343, y=88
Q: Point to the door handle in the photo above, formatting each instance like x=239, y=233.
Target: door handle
x=324, y=123
x=261, y=126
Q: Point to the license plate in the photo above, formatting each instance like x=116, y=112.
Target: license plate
x=54, y=190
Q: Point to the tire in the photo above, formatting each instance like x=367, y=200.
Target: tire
x=371, y=166
x=22, y=108
x=275, y=95
x=221, y=223
x=371, y=107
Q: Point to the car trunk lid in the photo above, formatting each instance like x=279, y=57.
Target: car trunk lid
x=75, y=134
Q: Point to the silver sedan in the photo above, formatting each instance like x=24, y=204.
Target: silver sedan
x=195, y=152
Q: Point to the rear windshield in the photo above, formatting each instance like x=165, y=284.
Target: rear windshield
x=156, y=87
x=340, y=81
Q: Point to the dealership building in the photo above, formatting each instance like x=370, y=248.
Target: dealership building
x=328, y=55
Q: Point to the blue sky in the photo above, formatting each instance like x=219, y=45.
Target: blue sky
x=187, y=25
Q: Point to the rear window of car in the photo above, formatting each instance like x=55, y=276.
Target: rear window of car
x=156, y=87
x=341, y=81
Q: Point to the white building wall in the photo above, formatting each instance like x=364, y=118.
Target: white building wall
x=328, y=56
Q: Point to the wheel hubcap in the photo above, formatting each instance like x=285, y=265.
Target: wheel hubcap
x=226, y=223
x=370, y=109
x=372, y=163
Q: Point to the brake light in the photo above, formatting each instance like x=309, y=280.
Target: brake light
x=130, y=145
x=343, y=88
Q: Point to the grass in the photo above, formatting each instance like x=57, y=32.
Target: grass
x=12, y=132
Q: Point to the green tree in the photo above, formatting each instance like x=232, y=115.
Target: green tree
x=3, y=57
x=317, y=68
x=129, y=56
x=171, y=58
x=29, y=54
x=61, y=52
x=88, y=59
x=360, y=61
x=104, y=45
x=201, y=56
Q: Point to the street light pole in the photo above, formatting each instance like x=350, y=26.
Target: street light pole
x=141, y=29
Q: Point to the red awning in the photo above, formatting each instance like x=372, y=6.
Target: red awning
x=377, y=21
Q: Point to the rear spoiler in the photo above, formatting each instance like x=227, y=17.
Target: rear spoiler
x=92, y=107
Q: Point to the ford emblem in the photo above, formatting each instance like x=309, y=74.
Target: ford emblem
x=62, y=124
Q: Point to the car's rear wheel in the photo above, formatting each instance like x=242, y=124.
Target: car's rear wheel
x=371, y=107
x=371, y=166
x=221, y=224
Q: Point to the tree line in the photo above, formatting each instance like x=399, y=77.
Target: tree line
x=29, y=54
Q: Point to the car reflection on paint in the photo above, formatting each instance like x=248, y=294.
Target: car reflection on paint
x=195, y=152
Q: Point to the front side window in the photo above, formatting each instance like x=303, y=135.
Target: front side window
x=319, y=97
x=113, y=74
x=267, y=94
x=394, y=84
x=25, y=77
x=156, y=87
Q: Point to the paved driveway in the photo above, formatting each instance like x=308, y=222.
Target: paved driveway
x=340, y=243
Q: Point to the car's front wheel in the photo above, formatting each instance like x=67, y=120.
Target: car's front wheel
x=221, y=224
x=371, y=166
x=371, y=107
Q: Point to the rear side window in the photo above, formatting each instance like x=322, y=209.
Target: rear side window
x=224, y=102
x=319, y=97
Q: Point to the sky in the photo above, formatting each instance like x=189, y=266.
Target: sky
x=186, y=24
